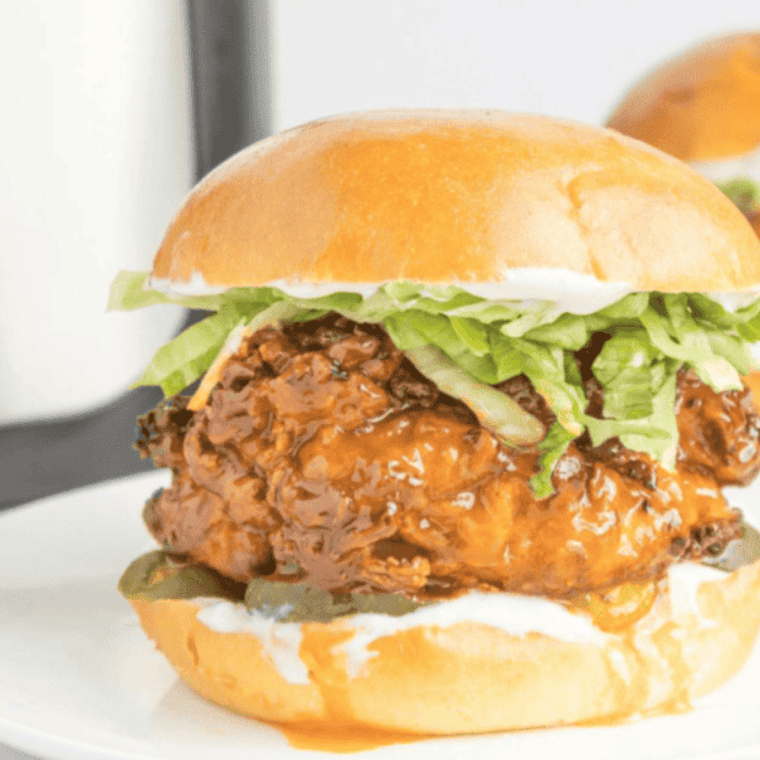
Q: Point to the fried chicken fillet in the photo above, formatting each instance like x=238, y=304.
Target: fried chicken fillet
x=323, y=454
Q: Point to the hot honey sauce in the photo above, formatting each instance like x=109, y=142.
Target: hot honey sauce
x=348, y=739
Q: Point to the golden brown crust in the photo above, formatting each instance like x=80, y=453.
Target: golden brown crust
x=702, y=105
x=456, y=196
x=470, y=677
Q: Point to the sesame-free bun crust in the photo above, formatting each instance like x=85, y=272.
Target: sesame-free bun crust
x=700, y=106
x=455, y=197
x=470, y=677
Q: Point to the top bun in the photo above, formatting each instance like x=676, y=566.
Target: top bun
x=702, y=105
x=455, y=197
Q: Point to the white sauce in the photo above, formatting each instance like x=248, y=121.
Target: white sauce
x=684, y=579
x=280, y=641
x=195, y=286
x=571, y=291
x=514, y=614
x=733, y=301
x=568, y=290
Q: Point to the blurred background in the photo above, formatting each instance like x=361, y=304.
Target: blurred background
x=113, y=109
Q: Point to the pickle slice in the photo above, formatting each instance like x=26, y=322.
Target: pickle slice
x=160, y=575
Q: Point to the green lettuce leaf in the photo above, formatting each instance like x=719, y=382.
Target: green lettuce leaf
x=627, y=367
x=744, y=192
x=182, y=361
x=551, y=448
x=656, y=434
x=494, y=408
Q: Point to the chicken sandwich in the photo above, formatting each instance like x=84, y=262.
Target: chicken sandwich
x=447, y=454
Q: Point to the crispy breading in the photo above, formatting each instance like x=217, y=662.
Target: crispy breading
x=323, y=454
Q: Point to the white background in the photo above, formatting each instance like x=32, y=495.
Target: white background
x=569, y=58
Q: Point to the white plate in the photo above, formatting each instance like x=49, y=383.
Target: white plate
x=80, y=681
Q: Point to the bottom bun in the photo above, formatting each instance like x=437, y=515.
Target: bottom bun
x=467, y=677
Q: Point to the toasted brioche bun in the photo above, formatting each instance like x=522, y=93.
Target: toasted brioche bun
x=455, y=197
x=700, y=106
x=470, y=677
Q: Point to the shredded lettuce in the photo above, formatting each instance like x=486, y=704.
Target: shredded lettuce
x=471, y=343
x=744, y=192
x=494, y=408
x=175, y=365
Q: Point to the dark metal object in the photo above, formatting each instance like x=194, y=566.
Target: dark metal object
x=231, y=108
x=228, y=40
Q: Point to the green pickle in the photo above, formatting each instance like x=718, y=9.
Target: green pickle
x=160, y=575
x=302, y=602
